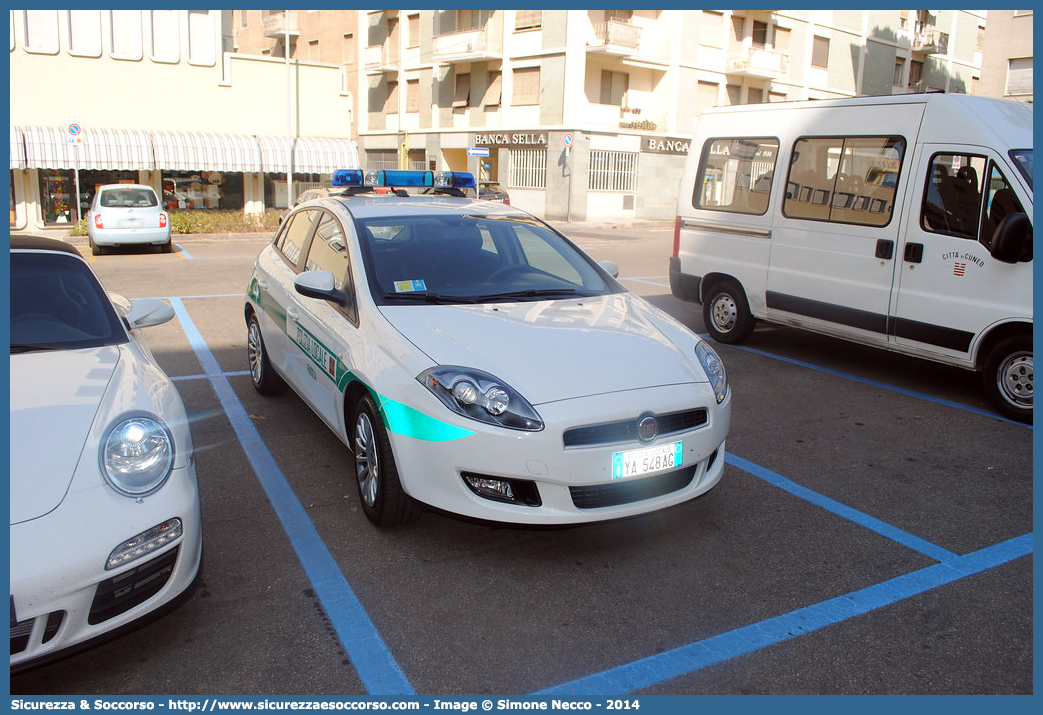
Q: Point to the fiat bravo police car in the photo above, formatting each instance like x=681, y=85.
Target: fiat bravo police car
x=475, y=361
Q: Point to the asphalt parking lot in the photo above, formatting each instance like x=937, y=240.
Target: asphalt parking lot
x=872, y=534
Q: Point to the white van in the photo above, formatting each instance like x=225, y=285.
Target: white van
x=902, y=222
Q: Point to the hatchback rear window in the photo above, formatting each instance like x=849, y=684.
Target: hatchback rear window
x=128, y=198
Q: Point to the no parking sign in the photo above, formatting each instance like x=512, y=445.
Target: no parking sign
x=75, y=131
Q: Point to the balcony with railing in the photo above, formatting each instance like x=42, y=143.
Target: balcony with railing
x=615, y=37
x=380, y=58
x=472, y=44
x=927, y=38
x=758, y=63
x=281, y=23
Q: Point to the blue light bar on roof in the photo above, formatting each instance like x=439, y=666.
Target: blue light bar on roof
x=441, y=179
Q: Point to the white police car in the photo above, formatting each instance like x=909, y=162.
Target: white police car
x=476, y=361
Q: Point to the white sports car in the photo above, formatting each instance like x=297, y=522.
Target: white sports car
x=476, y=361
x=105, y=520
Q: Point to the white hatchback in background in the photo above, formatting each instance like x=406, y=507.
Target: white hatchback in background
x=127, y=215
x=105, y=519
x=476, y=361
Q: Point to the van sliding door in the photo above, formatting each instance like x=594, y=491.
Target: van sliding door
x=833, y=249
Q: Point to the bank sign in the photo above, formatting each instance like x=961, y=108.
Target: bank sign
x=654, y=145
x=511, y=139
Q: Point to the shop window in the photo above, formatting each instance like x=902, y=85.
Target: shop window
x=202, y=190
x=56, y=196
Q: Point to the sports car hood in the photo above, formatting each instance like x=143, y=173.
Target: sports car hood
x=54, y=400
x=557, y=349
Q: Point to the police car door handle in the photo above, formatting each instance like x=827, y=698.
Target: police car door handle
x=885, y=249
x=292, y=314
x=914, y=252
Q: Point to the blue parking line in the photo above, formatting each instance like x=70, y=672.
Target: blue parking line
x=233, y=373
x=376, y=667
x=874, y=383
x=726, y=646
x=861, y=518
x=183, y=252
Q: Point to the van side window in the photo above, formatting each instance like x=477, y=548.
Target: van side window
x=844, y=179
x=1000, y=202
x=735, y=174
x=952, y=197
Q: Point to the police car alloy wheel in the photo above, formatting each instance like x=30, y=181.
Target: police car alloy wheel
x=265, y=380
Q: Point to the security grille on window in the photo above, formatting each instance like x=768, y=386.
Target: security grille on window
x=528, y=168
x=612, y=171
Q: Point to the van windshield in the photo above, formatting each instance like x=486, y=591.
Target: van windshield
x=1023, y=160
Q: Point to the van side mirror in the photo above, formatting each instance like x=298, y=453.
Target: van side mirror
x=1012, y=239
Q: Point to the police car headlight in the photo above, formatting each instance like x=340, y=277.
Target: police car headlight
x=714, y=369
x=137, y=455
x=480, y=396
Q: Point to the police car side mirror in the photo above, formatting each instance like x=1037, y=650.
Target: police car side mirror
x=1012, y=240
x=321, y=285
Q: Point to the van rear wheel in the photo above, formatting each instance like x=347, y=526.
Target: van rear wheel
x=1008, y=377
x=727, y=314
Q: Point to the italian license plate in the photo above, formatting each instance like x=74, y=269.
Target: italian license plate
x=635, y=462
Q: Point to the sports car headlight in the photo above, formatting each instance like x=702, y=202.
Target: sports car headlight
x=137, y=456
x=714, y=369
x=480, y=396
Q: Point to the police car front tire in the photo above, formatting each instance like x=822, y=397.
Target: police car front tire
x=727, y=314
x=265, y=380
x=1008, y=377
x=383, y=500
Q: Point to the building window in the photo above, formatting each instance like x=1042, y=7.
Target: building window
x=979, y=40
x=903, y=19
x=737, y=28
x=413, y=22
x=612, y=171
x=166, y=39
x=710, y=29
x=412, y=95
x=244, y=19
x=41, y=31
x=528, y=19
x=526, y=86
x=1019, y=76
x=201, y=38
x=781, y=40
x=528, y=169
x=754, y=95
x=734, y=94
x=614, y=86
x=313, y=50
x=820, y=52
x=494, y=91
x=776, y=96
x=347, y=49
x=391, y=102
x=899, y=72
x=760, y=34
x=462, y=94
x=85, y=33
x=126, y=34
x=707, y=94
x=915, y=73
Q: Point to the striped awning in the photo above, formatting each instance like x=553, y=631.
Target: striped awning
x=17, y=149
x=205, y=151
x=112, y=149
x=311, y=155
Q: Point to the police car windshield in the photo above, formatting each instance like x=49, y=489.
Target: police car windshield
x=469, y=259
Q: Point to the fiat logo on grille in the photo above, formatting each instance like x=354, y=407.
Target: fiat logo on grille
x=647, y=428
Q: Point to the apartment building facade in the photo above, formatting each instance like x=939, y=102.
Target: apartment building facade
x=158, y=97
x=1007, y=56
x=587, y=113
